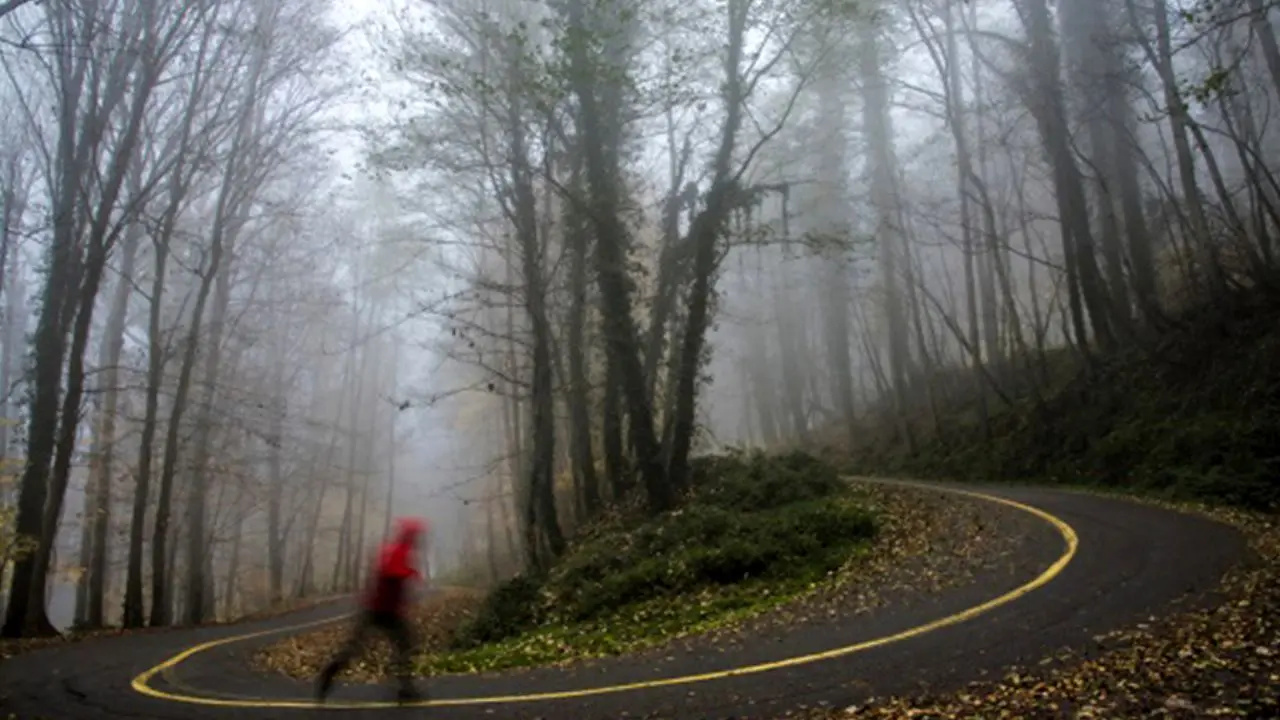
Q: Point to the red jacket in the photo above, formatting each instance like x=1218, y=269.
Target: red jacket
x=394, y=569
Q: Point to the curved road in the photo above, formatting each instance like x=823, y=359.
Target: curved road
x=1131, y=560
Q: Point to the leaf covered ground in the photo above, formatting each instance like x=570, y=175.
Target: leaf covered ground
x=434, y=621
x=926, y=541
x=1219, y=661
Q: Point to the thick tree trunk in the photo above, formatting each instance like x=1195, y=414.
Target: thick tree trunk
x=1048, y=106
x=579, y=374
x=705, y=233
x=601, y=160
x=15, y=334
x=50, y=345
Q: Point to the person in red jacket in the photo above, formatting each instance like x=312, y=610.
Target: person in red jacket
x=383, y=608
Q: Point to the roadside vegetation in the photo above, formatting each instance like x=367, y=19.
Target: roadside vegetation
x=1194, y=415
x=753, y=532
x=924, y=542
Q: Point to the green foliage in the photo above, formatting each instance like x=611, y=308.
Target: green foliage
x=753, y=481
x=1196, y=418
x=507, y=609
x=12, y=545
x=705, y=546
x=753, y=531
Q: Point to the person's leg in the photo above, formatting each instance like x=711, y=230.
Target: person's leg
x=345, y=655
x=402, y=653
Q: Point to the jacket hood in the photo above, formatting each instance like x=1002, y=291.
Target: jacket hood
x=408, y=530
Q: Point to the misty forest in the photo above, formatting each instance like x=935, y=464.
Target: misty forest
x=275, y=272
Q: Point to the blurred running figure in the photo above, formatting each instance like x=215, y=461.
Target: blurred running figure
x=383, y=608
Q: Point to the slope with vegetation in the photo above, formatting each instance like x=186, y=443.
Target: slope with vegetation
x=1192, y=414
x=753, y=532
x=1190, y=419
x=760, y=544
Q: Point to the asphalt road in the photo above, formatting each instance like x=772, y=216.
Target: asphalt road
x=1131, y=561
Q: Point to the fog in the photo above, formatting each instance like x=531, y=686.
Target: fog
x=275, y=272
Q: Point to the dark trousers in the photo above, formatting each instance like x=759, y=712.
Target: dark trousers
x=396, y=630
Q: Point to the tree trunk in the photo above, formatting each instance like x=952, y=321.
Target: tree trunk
x=102, y=471
x=789, y=321
x=308, y=549
x=233, y=570
x=42, y=426
x=1161, y=57
x=360, y=376
x=160, y=603
x=602, y=174
x=15, y=334
x=1049, y=109
x=393, y=447
x=1260, y=19
x=579, y=378
x=513, y=427
x=276, y=540
x=758, y=366
x=370, y=445
x=832, y=169
x=542, y=504
x=133, y=611
x=705, y=232
x=882, y=168
x=198, y=606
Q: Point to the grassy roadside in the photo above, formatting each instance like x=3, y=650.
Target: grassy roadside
x=754, y=532
x=925, y=542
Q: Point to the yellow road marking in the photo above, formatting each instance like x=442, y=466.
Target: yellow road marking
x=141, y=683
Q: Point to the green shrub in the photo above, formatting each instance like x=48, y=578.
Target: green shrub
x=751, y=482
x=707, y=545
x=508, y=608
x=747, y=517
